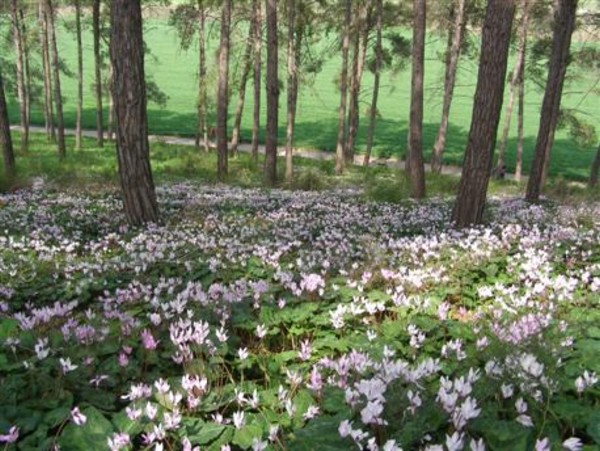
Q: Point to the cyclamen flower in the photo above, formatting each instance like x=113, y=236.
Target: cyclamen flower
x=66, y=365
x=258, y=445
x=148, y=340
x=543, y=445
x=261, y=331
x=243, y=354
x=78, y=418
x=572, y=444
x=305, y=350
x=586, y=380
x=454, y=442
x=239, y=419
x=11, y=437
x=118, y=441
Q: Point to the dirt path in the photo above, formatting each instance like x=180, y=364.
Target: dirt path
x=313, y=154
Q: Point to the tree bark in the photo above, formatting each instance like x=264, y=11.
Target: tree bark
x=45, y=50
x=378, y=60
x=514, y=86
x=222, y=91
x=20, y=63
x=256, y=77
x=239, y=108
x=127, y=56
x=60, y=123
x=272, y=94
x=564, y=25
x=5, y=137
x=595, y=170
x=110, y=132
x=358, y=59
x=477, y=164
x=97, y=72
x=26, y=67
x=292, y=89
x=79, y=75
x=458, y=30
x=415, y=166
x=341, y=141
x=520, y=122
x=202, y=113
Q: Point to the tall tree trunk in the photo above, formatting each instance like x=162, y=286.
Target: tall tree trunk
x=415, y=166
x=477, y=165
x=45, y=50
x=222, y=92
x=595, y=170
x=127, y=55
x=564, y=25
x=5, y=137
x=60, y=123
x=514, y=86
x=272, y=94
x=26, y=67
x=111, y=103
x=79, y=75
x=292, y=89
x=202, y=129
x=21, y=84
x=239, y=108
x=378, y=60
x=458, y=30
x=341, y=141
x=97, y=72
x=520, y=122
x=358, y=59
x=257, y=21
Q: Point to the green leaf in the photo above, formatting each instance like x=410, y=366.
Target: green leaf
x=320, y=434
x=593, y=427
x=95, y=431
x=56, y=416
x=245, y=436
x=7, y=327
x=201, y=433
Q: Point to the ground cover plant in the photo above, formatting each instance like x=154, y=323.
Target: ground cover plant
x=272, y=319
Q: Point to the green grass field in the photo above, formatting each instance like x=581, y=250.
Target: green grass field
x=175, y=72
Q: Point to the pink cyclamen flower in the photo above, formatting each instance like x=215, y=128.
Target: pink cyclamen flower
x=11, y=437
x=148, y=340
x=78, y=418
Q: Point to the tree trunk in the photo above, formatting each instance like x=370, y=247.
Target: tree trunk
x=416, y=168
x=5, y=137
x=514, y=85
x=97, y=72
x=45, y=50
x=60, y=123
x=111, y=103
x=79, y=75
x=222, y=91
x=239, y=109
x=27, y=74
x=359, y=52
x=563, y=29
x=256, y=76
x=595, y=170
x=520, y=121
x=341, y=141
x=127, y=56
x=378, y=59
x=20, y=63
x=202, y=129
x=458, y=30
x=477, y=165
x=292, y=89
x=272, y=94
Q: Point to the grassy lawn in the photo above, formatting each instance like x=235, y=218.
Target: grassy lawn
x=175, y=72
